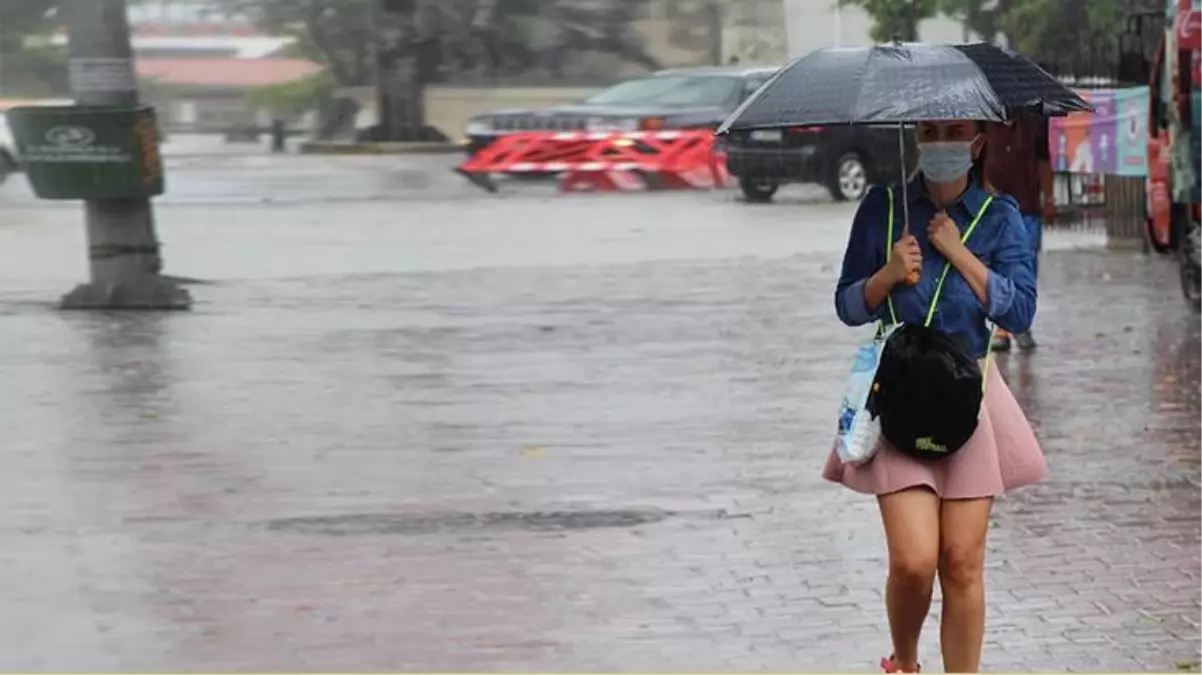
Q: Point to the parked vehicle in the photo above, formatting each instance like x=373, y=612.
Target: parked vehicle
x=688, y=98
x=844, y=159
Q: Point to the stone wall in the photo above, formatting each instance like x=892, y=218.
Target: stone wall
x=449, y=108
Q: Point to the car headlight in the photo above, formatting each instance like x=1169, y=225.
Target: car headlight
x=613, y=124
x=480, y=127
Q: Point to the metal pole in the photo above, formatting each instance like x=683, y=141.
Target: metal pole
x=905, y=179
x=123, y=251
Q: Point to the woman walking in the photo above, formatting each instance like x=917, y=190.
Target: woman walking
x=936, y=514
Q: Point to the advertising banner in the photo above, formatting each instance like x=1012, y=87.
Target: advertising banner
x=1113, y=140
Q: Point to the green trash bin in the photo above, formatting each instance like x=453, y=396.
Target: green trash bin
x=89, y=152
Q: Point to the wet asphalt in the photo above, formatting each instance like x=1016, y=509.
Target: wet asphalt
x=410, y=425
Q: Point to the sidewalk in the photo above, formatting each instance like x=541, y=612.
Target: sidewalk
x=601, y=463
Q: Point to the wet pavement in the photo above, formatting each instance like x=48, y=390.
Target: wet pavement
x=412, y=426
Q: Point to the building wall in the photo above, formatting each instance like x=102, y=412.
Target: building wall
x=822, y=23
x=179, y=12
x=755, y=32
x=191, y=110
x=450, y=108
x=680, y=33
x=211, y=110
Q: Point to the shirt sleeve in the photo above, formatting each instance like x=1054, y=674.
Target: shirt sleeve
x=1011, y=286
x=862, y=259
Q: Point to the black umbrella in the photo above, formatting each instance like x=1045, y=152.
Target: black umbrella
x=901, y=83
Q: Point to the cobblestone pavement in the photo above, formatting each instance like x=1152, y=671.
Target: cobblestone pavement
x=455, y=432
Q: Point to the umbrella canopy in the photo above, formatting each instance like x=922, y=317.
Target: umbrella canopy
x=902, y=83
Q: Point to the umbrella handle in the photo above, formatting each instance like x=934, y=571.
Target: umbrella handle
x=916, y=275
x=913, y=277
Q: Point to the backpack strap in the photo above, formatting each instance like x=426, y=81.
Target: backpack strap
x=942, y=276
x=888, y=257
x=948, y=265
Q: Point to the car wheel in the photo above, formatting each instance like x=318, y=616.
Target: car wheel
x=758, y=190
x=849, y=178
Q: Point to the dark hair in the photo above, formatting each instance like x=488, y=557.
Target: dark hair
x=978, y=164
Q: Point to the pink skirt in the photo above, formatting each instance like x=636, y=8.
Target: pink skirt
x=1001, y=456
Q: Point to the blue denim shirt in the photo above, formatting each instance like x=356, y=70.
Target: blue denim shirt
x=999, y=241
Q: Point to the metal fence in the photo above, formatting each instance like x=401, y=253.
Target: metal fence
x=1115, y=203
x=1126, y=209
x=1098, y=202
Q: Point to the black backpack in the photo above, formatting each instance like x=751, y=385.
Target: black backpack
x=928, y=389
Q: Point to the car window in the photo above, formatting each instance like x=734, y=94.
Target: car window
x=671, y=91
x=752, y=84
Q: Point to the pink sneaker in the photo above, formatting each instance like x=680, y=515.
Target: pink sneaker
x=889, y=666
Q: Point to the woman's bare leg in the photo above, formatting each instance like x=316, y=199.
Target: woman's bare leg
x=963, y=525
x=911, y=519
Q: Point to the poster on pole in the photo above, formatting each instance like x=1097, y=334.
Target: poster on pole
x=1112, y=140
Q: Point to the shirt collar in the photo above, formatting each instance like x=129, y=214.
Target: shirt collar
x=972, y=200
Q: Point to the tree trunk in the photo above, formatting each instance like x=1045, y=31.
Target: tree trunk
x=404, y=71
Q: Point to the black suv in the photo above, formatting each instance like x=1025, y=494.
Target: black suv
x=845, y=159
x=687, y=98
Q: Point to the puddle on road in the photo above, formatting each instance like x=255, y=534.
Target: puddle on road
x=414, y=524
x=457, y=523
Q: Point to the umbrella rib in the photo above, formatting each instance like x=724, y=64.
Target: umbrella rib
x=1002, y=114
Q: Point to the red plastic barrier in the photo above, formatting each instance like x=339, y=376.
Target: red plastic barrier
x=606, y=162
x=532, y=152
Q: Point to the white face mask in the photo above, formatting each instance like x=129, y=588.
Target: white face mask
x=945, y=161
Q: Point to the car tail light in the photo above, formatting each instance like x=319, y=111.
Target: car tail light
x=651, y=124
x=803, y=130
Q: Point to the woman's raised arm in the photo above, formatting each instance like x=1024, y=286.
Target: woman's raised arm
x=865, y=282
